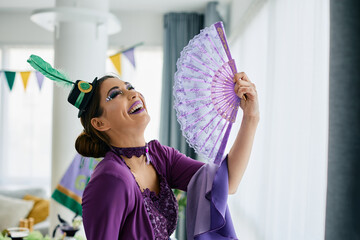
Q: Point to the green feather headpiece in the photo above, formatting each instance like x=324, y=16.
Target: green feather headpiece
x=48, y=71
x=81, y=92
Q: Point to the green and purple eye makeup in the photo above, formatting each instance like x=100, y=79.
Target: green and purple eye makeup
x=114, y=91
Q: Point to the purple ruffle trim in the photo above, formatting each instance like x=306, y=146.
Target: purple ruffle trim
x=133, y=151
x=207, y=212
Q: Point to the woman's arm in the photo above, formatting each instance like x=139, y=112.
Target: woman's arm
x=239, y=154
x=179, y=168
x=106, y=203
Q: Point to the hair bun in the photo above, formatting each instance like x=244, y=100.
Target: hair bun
x=87, y=146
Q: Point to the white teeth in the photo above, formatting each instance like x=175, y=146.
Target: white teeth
x=135, y=108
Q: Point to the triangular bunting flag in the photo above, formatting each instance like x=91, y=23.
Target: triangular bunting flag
x=116, y=60
x=10, y=77
x=71, y=187
x=130, y=55
x=25, y=78
x=40, y=79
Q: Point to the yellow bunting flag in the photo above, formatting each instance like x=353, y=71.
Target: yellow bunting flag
x=25, y=78
x=116, y=60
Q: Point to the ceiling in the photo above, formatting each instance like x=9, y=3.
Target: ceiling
x=155, y=6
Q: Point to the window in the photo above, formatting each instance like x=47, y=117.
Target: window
x=26, y=116
x=284, y=49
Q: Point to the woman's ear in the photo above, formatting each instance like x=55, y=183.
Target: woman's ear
x=100, y=124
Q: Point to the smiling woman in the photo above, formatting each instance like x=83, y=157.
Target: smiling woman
x=129, y=195
x=118, y=102
x=125, y=189
x=114, y=113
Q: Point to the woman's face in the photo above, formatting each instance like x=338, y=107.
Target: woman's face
x=124, y=109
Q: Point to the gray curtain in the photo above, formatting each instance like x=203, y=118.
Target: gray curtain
x=343, y=192
x=211, y=14
x=179, y=28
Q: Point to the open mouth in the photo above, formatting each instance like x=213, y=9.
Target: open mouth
x=137, y=107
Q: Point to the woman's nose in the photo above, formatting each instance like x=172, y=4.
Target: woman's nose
x=132, y=94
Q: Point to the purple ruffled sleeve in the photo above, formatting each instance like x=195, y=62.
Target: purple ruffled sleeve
x=207, y=213
x=178, y=168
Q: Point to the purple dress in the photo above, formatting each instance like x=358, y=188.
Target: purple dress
x=162, y=210
x=207, y=213
x=113, y=205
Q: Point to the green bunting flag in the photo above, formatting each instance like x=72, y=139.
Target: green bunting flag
x=37, y=62
x=10, y=77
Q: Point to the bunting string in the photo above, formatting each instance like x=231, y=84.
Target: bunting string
x=10, y=76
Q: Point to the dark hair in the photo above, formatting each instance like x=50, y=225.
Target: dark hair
x=91, y=142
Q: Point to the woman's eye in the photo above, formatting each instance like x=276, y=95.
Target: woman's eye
x=131, y=87
x=113, y=94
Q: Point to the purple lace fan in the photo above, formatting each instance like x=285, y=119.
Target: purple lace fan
x=205, y=102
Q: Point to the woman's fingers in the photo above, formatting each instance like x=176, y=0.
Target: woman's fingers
x=245, y=90
x=242, y=83
x=243, y=86
x=242, y=76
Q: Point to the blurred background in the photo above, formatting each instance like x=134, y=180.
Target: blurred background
x=283, y=46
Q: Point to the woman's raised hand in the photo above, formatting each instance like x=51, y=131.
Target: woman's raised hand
x=243, y=86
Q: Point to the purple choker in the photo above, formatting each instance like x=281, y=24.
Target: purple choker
x=134, y=151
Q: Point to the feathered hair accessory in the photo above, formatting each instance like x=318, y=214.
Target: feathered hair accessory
x=81, y=92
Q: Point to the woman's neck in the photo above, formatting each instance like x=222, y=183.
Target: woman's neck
x=128, y=141
x=135, y=163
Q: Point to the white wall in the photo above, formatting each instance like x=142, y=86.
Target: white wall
x=241, y=13
x=16, y=28
x=138, y=27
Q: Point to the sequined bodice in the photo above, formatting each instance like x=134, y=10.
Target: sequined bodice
x=162, y=209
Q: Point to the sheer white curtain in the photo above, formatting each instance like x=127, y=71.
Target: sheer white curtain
x=25, y=122
x=283, y=47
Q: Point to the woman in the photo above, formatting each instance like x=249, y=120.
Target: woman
x=129, y=195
